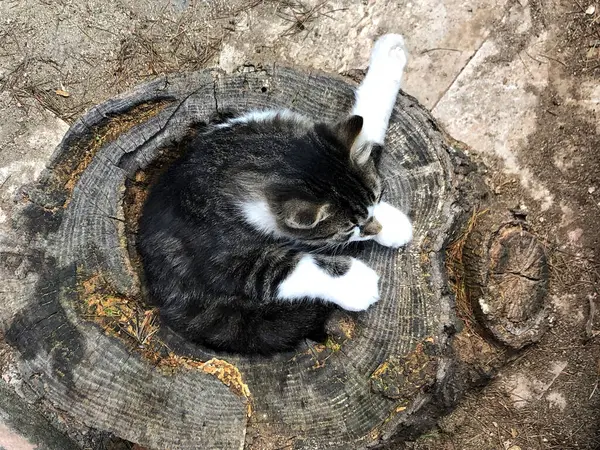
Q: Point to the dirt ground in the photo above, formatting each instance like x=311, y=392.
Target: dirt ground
x=517, y=81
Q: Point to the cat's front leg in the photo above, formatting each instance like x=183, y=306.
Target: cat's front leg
x=396, y=229
x=376, y=96
x=345, y=281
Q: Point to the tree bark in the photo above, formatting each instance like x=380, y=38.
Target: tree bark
x=382, y=375
x=506, y=273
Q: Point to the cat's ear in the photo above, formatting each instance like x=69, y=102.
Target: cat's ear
x=303, y=214
x=348, y=130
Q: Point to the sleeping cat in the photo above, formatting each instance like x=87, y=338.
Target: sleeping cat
x=242, y=238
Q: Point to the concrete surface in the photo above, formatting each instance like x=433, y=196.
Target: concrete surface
x=470, y=107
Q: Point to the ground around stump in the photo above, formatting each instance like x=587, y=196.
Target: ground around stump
x=468, y=64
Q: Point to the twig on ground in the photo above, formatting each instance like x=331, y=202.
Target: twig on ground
x=593, y=391
x=589, y=332
x=441, y=49
x=553, y=59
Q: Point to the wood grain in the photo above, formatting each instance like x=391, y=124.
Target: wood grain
x=384, y=377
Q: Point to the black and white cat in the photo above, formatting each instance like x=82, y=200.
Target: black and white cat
x=242, y=238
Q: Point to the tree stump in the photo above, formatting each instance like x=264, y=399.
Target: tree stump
x=91, y=348
x=506, y=274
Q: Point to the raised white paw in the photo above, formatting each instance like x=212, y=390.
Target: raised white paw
x=389, y=54
x=396, y=227
x=357, y=289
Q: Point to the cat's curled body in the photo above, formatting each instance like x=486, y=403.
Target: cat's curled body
x=237, y=238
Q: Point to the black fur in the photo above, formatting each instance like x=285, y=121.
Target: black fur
x=215, y=276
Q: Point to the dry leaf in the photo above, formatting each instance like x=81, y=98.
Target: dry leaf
x=62, y=93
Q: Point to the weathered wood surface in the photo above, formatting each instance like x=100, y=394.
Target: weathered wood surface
x=391, y=369
x=21, y=427
x=507, y=279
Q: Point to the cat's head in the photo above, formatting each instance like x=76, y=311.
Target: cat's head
x=329, y=187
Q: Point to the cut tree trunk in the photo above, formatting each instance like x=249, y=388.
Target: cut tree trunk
x=506, y=273
x=91, y=348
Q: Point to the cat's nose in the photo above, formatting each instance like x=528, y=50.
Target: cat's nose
x=371, y=228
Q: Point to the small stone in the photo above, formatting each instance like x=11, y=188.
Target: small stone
x=514, y=447
x=542, y=220
x=590, y=10
x=591, y=189
x=485, y=308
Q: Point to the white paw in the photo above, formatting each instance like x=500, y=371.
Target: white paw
x=357, y=289
x=396, y=227
x=389, y=54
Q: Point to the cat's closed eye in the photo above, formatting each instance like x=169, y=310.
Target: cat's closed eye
x=350, y=228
